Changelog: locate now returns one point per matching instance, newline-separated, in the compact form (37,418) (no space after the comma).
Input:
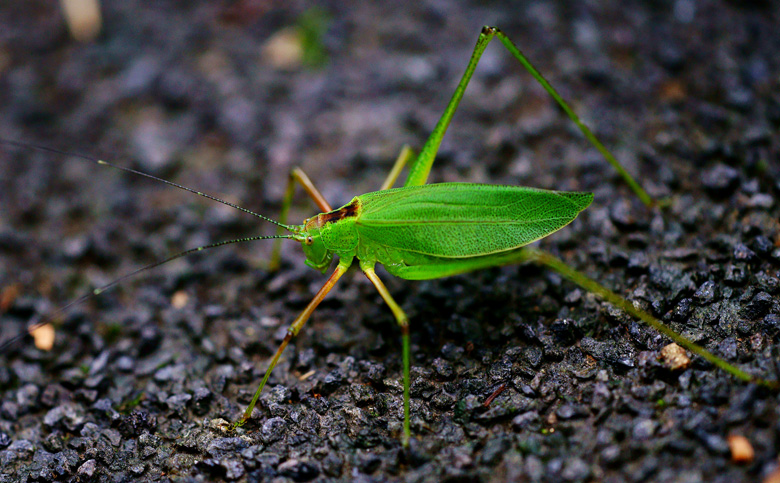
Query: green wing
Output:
(460,220)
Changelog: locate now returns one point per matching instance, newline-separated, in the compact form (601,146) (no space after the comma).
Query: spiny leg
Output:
(404,157)
(540,257)
(296,175)
(295,327)
(548,260)
(418,174)
(403,322)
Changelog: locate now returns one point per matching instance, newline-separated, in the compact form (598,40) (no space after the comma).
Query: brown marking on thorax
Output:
(347,211)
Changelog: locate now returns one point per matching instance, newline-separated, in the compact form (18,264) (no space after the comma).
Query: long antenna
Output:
(115,282)
(83,157)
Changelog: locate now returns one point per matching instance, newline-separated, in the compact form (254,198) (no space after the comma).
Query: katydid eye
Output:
(309,240)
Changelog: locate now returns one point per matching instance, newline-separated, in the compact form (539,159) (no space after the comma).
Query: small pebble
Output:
(674,357)
(741,449)
(720,180)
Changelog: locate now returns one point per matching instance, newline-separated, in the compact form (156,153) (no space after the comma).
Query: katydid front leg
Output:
(296,327)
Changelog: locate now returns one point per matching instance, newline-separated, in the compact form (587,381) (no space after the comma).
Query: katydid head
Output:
(318,256)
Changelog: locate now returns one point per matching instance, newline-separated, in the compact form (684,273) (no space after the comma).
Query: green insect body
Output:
(437,230)
(420,232)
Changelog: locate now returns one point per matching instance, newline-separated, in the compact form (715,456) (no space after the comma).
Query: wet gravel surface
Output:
(516,373)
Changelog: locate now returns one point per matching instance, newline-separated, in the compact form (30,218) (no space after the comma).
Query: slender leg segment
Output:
(296,175)
(540,257)
(543,258)
(404,157)
(403,322)
(418,174)
(296,327)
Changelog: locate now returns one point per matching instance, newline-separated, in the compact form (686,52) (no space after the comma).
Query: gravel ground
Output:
(142,379)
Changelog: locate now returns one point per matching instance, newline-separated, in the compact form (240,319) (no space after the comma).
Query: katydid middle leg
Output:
(403,322)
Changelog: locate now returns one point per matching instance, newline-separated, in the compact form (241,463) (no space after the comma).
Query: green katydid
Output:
(422,231)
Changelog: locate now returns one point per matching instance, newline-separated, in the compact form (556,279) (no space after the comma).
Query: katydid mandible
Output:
(421,231)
